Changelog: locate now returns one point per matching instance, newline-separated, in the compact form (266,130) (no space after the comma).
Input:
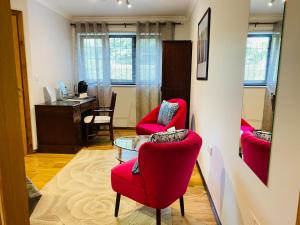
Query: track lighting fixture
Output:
(128,4)
(271,2)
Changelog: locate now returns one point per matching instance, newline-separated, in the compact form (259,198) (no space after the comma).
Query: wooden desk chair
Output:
(96,120)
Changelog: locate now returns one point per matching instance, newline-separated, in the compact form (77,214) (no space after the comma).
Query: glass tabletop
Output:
(131,143)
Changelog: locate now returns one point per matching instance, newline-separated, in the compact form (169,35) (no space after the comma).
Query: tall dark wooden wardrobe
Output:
(176,71)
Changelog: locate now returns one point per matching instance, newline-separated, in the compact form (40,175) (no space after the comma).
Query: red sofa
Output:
(148,125)
(245,126)
(165,171)
(256,154)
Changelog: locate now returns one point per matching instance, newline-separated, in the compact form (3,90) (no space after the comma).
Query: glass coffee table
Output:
(128,147)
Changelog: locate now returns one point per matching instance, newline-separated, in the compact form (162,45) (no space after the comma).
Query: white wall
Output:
(125,112)
(216,107)
(48,51)
(182,32)
(253,105)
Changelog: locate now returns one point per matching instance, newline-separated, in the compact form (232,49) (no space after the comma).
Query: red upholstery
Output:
(148,125)
(149,128)
(256,154)
(165,170)
(245,126)
(132,185)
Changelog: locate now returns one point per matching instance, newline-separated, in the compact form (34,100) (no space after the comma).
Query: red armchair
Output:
(165,171)
(148,125)
(256,154)
(245,126)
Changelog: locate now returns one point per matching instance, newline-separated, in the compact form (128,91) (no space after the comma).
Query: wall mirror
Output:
(260,84)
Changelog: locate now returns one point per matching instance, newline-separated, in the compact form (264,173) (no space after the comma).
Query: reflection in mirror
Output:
(260,84)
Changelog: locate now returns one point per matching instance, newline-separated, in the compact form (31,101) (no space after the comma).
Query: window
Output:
(92,59)
(122,59)
(257,59)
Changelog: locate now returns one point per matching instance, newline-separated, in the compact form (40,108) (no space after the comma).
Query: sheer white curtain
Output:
(272,76)
(149,64)
(92,59)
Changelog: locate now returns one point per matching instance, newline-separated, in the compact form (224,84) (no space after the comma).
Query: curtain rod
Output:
(259,23)
(130,24)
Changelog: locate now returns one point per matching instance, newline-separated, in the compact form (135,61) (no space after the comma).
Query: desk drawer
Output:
(86,106)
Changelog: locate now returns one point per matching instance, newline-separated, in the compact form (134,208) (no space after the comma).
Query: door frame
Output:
(298,213)
(24,75)
(13,193)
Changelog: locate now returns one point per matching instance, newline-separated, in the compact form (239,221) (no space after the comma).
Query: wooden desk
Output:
(60,125)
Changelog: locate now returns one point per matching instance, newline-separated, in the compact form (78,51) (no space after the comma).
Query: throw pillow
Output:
(166,112)
(34,195)
(135,168)
(169,136)
(162,137)
(267,136)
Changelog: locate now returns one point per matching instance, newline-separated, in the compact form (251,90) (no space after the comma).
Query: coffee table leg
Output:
(120,154)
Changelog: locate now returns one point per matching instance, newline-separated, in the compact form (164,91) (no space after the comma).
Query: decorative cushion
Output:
(169,136)
(135,168)
(166,112)
(162,137)
(267,136)
(34,195)
(98,119)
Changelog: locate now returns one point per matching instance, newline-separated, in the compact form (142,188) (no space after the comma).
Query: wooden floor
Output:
(42,167)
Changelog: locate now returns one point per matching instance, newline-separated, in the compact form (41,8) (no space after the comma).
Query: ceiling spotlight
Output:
(284,0)
(271,2)
(119,2)
(128,4)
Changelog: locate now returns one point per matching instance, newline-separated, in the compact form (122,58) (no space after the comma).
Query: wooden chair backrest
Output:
(113,101)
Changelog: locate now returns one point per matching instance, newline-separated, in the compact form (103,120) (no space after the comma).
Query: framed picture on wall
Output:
(203,46)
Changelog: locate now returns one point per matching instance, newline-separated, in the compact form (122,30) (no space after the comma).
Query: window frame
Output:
(264,82)
(133,39)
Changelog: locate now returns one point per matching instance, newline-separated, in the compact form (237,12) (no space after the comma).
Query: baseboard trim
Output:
(209,196)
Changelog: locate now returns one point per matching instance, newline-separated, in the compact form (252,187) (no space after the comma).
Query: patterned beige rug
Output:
(81,194)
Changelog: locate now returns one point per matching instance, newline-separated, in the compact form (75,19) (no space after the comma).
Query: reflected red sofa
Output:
(165,171)
(245,126)
(256,154)
(148,125)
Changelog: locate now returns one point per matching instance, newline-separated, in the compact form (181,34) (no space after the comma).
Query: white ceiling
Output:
(262,7)
(104,8)
(110,8)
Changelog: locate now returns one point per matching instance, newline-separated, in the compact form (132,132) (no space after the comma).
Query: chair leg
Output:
(182,206)
(158,217)
(87,135)
(118,198)
(111,132)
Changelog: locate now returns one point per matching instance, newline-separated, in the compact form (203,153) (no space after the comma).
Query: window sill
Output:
(123,85)
(255,86)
